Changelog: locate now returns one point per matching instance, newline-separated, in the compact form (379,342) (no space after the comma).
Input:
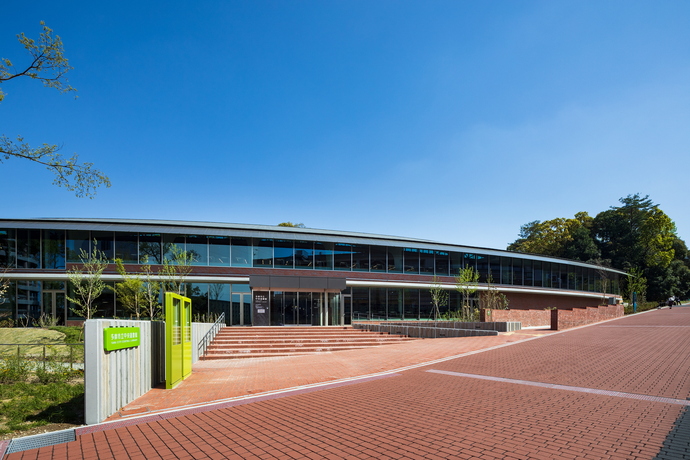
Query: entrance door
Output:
(54,305)
(241,314)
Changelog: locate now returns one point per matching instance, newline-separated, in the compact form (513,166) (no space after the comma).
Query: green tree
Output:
(176,267)
(560,237)
(492,298)
(439,296)
(48,65)
(466,283)
(151,291)
(130,291)
(290,224)
(639,234)
(87,281)
(635,282)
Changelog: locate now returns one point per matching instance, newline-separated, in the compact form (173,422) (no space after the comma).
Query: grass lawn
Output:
(35,395)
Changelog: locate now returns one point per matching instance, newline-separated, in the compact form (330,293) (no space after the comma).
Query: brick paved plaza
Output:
(619,390)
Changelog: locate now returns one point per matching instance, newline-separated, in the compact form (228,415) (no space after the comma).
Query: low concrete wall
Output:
(113,379)
(505,326)
(566,319)
(528,318)
(426,331)
(199,330)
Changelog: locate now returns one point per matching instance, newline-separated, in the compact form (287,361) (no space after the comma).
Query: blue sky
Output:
(455,121)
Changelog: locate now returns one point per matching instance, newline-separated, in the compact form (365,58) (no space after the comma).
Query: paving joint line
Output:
(556,386)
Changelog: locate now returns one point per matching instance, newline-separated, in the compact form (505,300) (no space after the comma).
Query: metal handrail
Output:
(211,334)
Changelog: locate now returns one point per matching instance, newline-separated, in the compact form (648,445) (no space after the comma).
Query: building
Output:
(270,275)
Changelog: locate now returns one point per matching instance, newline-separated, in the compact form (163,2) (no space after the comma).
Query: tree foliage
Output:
(87,281)
(130,291)
(48,65)
(637,235)
(176,267)
(290,224)
(466,283)
(439,296)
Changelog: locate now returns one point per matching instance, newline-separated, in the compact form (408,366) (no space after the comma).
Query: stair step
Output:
(253,342)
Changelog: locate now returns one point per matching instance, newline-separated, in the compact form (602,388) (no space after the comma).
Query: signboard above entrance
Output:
(117,338)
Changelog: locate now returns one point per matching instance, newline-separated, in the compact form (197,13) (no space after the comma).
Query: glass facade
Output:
(52,249)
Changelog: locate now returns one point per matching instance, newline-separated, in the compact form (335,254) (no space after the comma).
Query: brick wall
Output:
(528,318)
(558,320)
(566,319)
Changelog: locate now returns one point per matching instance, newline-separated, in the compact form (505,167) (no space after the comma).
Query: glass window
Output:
(527,274)
(219,251)
(442,263)
(77,241)
(411,303)
(378,258)
(172,243)
(506,270)
(126,247)
(455,263)
(555,276)
(197,247)
(304,254)
(198,293)
(426,261)
(283,254)
(323,255)
(546,274)
(572,278)
(360,304)
(105,303)
(395,304)
(28,248)
(28,299)
(536,266)
(411,256)
(469,260)
(105,242)
(495,269)
(564,281)
(482,267)
(8,247)
(263,252)
(53,249)
(426,308)
(242,252)
(517,272)
(343,256)
(395,260)
(219,299)
(360,257)
(150,248)
(378,303)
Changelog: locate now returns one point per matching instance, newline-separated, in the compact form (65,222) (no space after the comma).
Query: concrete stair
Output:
(261,342)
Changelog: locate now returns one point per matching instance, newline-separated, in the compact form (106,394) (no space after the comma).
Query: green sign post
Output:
(117,338)
(178,339)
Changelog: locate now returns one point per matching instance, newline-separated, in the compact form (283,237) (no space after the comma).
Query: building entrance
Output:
(305,308)
(241,310)
(54,305)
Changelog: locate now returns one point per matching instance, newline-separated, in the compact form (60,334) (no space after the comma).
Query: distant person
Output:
(671,301)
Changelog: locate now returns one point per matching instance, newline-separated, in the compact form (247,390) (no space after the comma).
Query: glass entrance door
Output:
(54,305)
(241,314)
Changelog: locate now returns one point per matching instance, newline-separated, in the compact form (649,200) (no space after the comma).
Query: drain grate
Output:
(41,440)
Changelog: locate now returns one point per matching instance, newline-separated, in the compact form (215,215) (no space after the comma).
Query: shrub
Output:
(14,368)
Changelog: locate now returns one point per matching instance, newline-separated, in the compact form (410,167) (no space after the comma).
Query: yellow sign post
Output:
(178,339)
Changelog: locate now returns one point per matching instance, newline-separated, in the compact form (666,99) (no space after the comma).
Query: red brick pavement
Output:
(419,414)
